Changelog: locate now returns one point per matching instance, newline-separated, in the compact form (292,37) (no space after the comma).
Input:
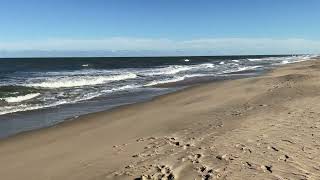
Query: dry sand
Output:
(264,127)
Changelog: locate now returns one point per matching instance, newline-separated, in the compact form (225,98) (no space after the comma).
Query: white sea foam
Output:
(222,62)
(181,78)
(87,96)
(168,70)
(20,98)
(204,65)
(255,59)
(12,109)
(88,77)
(165,81)
(239,69)
(175,69)
(294,59)
(76,81)
(26,107)
(285,62)
(122,88)
(78,72)
(175,79)
(196,75)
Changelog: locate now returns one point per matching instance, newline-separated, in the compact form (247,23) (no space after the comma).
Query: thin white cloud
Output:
(193,46)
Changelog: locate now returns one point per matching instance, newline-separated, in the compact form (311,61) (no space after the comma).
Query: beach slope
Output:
(263,127)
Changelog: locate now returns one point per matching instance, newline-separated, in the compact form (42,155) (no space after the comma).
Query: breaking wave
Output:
(30,90)
(175,69)
(76,81)
(165,81)
(175,79)
(20,98)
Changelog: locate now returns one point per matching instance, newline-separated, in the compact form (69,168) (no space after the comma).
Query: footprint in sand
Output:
(195,158)
(206,172)
(163,172)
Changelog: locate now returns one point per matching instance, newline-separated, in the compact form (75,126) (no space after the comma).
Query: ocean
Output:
(41,92)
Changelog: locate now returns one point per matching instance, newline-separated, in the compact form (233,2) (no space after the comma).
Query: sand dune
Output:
(255,128)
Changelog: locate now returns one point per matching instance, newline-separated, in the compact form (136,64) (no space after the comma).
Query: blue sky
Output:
(163,27)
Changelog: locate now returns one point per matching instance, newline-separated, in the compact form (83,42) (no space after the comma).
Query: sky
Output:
(158,27)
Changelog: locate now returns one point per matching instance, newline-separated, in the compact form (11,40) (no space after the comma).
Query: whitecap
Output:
(204,66)
(88,96)
(174,69)
(165,81)
(294,59)
(20,98)
(239,69)
(255,59)
(122,88)
(26,107)
(76,81)
(175,79)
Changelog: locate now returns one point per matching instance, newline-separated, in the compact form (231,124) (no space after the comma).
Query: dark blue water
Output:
(39,92)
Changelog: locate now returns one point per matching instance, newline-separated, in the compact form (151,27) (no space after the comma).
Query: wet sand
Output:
(263,127)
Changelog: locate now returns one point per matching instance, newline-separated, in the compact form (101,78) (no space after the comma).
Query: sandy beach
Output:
(264,127)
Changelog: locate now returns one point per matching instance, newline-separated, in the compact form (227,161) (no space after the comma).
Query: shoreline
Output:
(117,138)
(52,107)
(176,87)
(69,121)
